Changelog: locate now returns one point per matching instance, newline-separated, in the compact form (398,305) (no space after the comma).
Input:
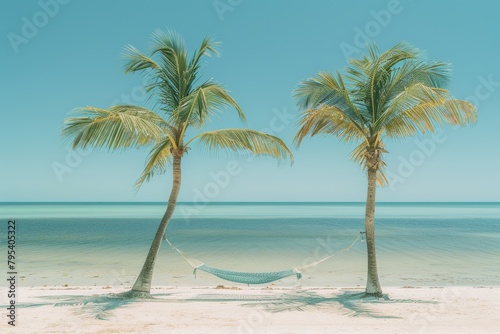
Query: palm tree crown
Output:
(394,94)
(183,102)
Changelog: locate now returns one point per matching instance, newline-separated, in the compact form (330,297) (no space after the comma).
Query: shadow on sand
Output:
(96,306)
(350,303)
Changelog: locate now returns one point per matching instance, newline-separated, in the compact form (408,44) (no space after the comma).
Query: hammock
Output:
(248,278)
(252,277)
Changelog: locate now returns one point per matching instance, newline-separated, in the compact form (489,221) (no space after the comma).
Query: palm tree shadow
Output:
(349,303)
(96,306)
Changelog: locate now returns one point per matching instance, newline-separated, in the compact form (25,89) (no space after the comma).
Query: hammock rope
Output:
(253,277)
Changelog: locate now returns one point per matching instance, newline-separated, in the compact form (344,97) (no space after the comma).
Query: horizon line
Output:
(231,202)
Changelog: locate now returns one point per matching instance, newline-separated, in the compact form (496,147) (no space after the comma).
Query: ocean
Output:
(104,244)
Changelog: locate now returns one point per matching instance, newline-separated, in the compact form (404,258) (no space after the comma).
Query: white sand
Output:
(257,310)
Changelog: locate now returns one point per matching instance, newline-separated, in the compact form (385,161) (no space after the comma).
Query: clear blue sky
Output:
(55,59)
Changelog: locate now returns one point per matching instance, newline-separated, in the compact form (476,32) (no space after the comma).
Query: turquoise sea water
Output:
(429,244)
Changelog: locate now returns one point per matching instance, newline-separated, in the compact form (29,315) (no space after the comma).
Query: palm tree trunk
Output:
(143,283)
(372,284)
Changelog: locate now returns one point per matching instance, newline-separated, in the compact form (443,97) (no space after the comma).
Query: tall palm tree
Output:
(394,95)
(183,103)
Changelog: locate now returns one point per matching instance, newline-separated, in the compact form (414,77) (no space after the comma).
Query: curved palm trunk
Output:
(143,283)
(372,284)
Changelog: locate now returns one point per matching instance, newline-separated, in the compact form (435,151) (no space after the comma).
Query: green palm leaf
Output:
(159,158)
(244,140)
(325,89)
(328,120)
(394,93)
(137,61)
(117,127)
(206,102)
(420,109)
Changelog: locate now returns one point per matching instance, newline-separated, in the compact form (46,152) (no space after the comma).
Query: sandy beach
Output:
(253,166)
(257,310)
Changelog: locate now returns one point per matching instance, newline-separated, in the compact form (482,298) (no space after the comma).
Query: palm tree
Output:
(183,104)
(394,95)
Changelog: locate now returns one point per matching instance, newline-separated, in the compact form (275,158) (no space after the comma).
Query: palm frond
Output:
(159,158)
(432,74)
(207,101)
(117,127)
(421,108)
(371,76)
(169,43)
(137,61)
(327,120)
(207,48)
(172,57)
(244,140)
(173,76)
(325,89)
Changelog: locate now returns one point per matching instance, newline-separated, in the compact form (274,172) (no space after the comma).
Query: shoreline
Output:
(255,309)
